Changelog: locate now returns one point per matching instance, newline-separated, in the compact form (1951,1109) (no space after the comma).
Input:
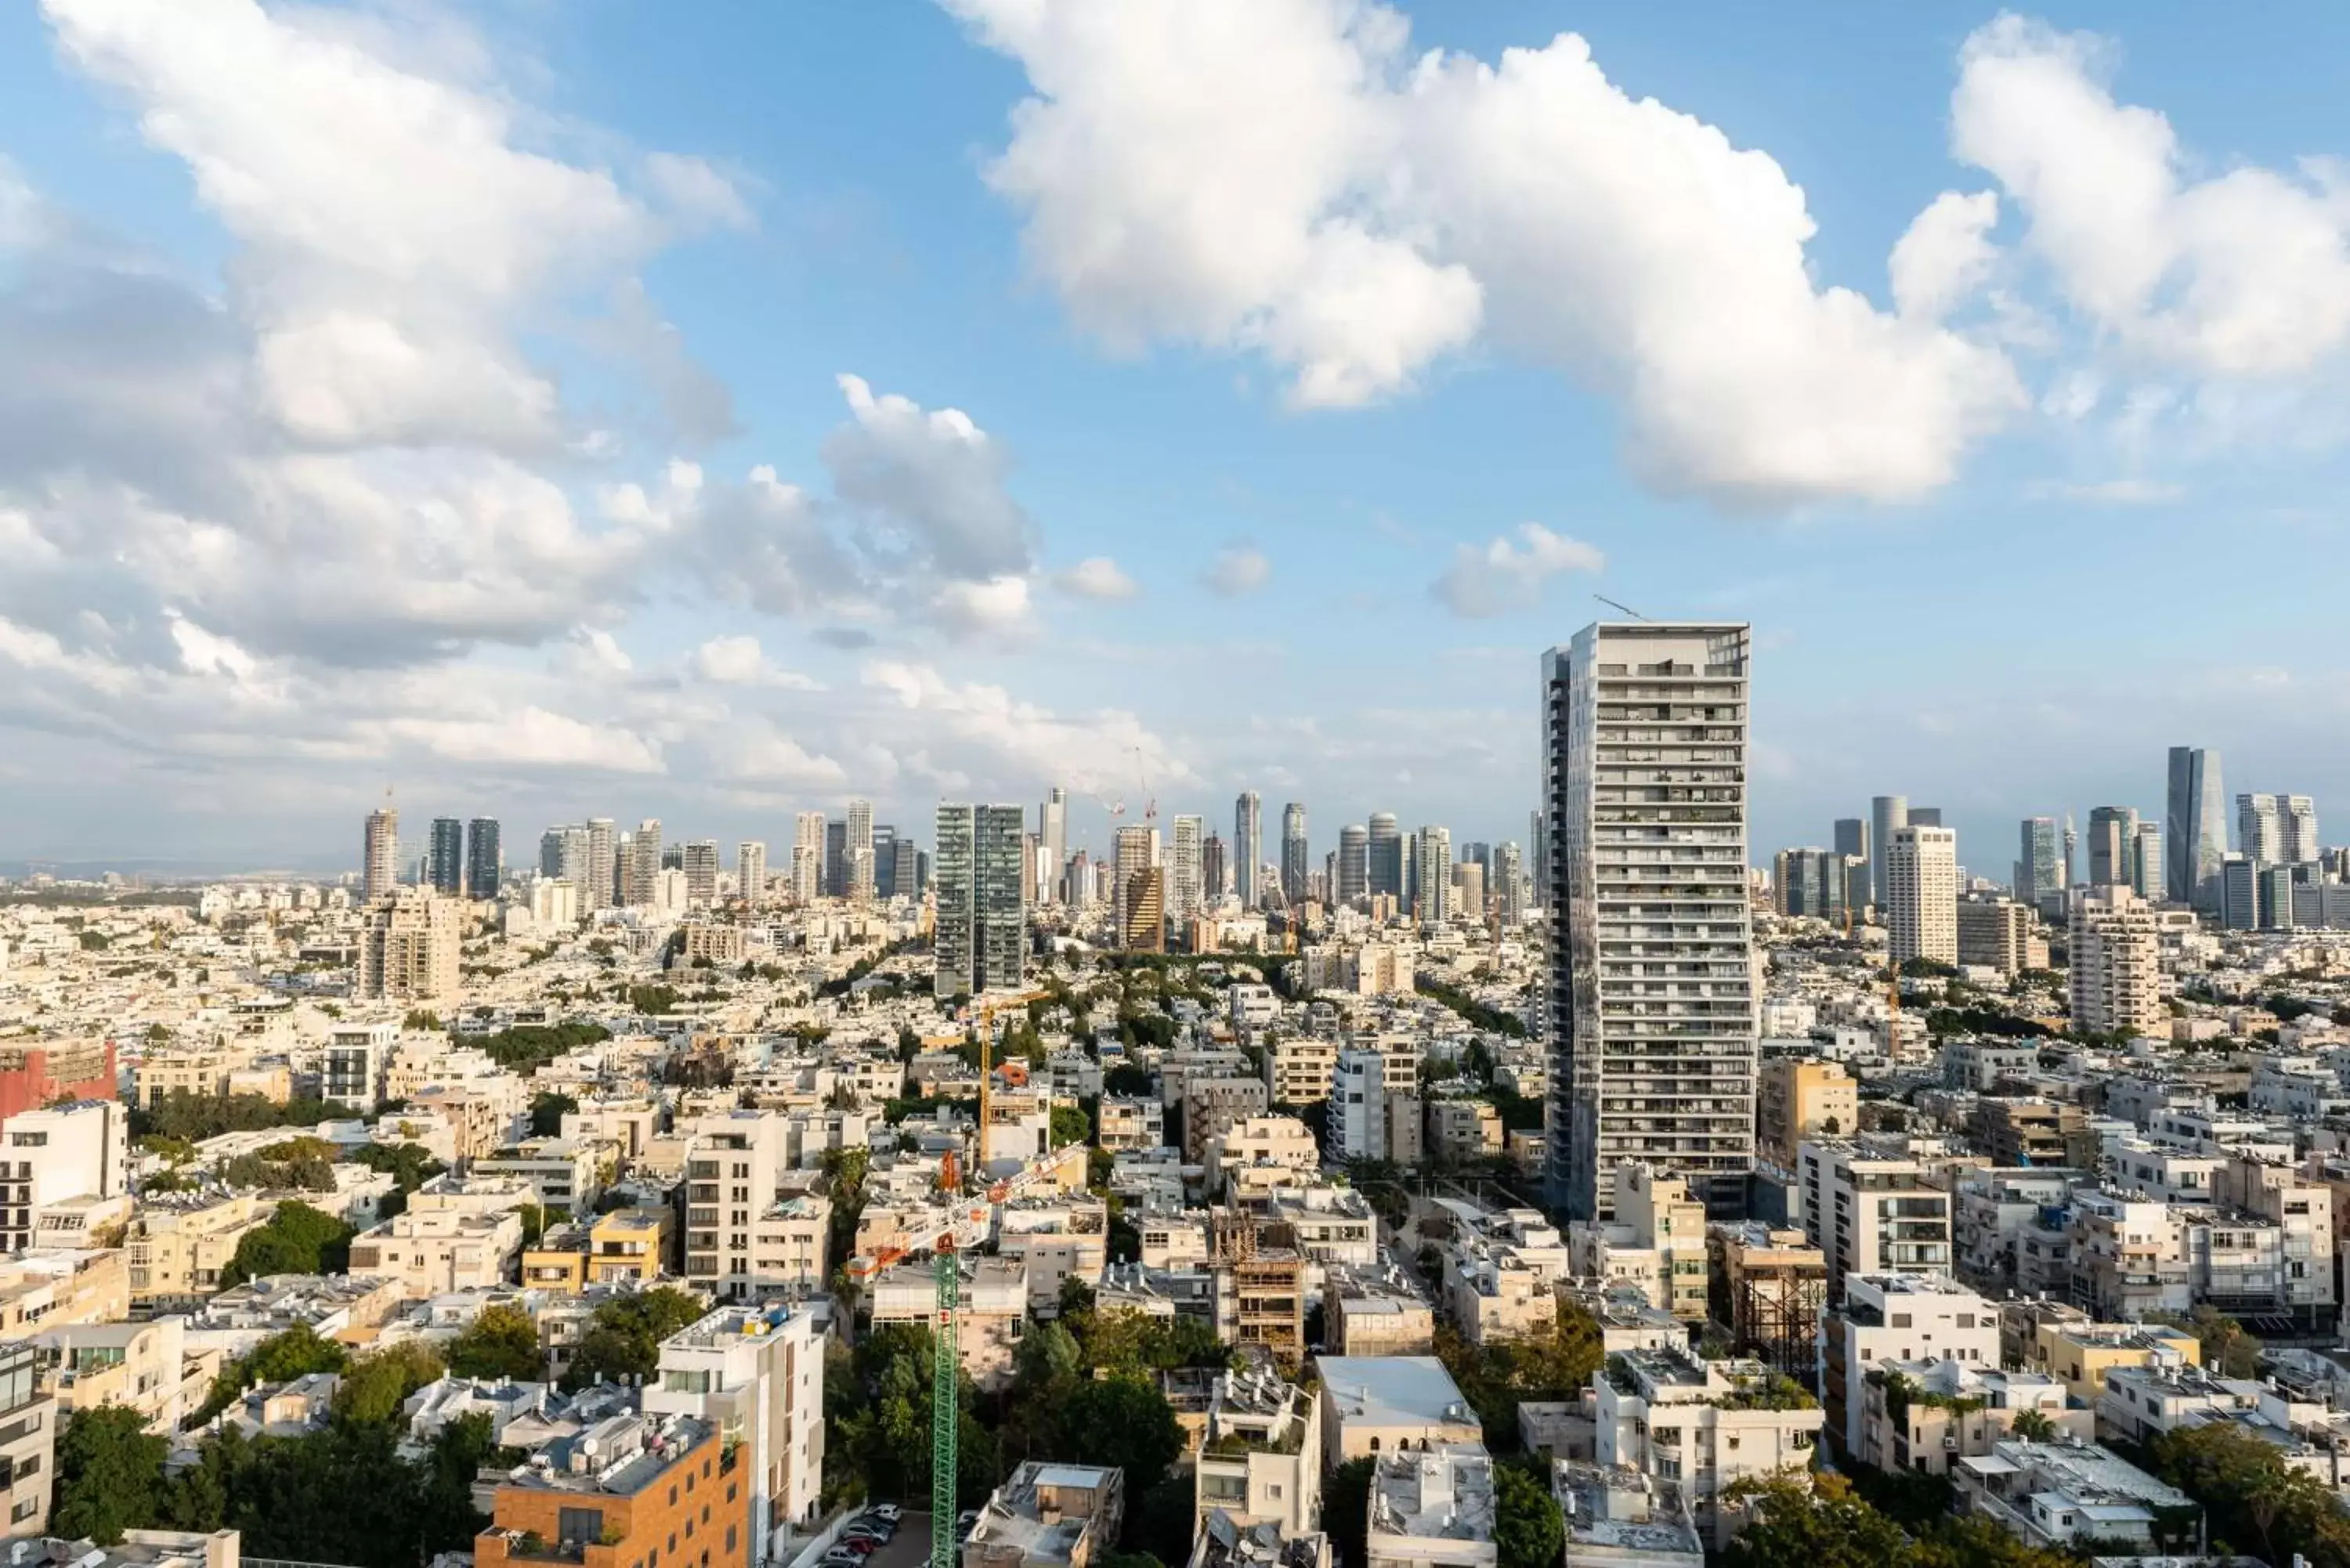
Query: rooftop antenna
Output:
(1611,603)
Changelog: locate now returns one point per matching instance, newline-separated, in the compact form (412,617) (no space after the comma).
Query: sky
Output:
(716,411)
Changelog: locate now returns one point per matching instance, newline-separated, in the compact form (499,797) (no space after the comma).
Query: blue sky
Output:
(359,349)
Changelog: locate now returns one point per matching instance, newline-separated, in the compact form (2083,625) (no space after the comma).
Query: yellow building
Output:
(177,1254)
(201,1073)
(44,1290)
(629,1244)
(2080,1354)
(556,1262)
(1797,1099)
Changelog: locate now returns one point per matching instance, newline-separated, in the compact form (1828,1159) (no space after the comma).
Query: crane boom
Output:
(946,1381)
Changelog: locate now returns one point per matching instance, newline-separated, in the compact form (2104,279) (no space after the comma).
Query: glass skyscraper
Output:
(982,899)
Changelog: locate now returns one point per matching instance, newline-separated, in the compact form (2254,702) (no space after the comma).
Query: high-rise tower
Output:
(1293,853)
(1354,879)
(485,861)
(2195,827)
(1186,874)
(1053,845)
(1248,846)
(981,913)
(1383,863)
(379,855)
(444,858)
(1886,813)
(1644,788)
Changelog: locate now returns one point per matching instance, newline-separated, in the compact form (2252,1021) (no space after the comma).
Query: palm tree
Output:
(2033,1426)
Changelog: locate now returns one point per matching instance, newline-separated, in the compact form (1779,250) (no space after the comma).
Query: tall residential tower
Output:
(1652,1002)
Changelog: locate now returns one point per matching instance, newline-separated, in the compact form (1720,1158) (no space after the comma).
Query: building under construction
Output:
(1770,1286)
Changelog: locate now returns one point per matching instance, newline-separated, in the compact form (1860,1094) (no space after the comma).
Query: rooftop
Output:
(1625,1510)
(1435,1493)
(621,1454)
(1394,1391)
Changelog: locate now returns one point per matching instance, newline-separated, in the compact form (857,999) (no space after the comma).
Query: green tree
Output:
(376,1386)
(296,1352)
(1121,1421)
(110,1475)
(1346,1507)
(1070,1125)
(500,1341)
(1817,1524)
(1528,1531)
(298,1240)
(624,1335)
(547,1111)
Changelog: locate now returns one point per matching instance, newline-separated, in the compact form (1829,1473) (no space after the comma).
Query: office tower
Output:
(2115,978)
(1647,833)
(1431,876)
(1053,834)
(1810,882)
(2064,871)
(444,858)
(2194,828)
(982,915)
(886,848)
(2297,830)
(1215,869)
(2259,834)
(551,846)
(906,880)
(808,856)
(2146,867)
(1186,885)
(1383,865)
(1886,813)
(563,856)
(2273,887)
(485,861)
(2037,875)
(408,948)
(1354,873)
(1921,884)
(644,864)
(835,859)
(858,878)
(379,855)
(698,859)
(2113,839)
(672,856)
(2238,883)
(603,866)
(1509,883)
(1135,848)
(1077,879)
(1294,855)
(1925,816)
(1538,859)
(1852,842)
(1248,847)
(751,871)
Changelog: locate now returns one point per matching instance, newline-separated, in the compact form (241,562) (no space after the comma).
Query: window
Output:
(579,1526)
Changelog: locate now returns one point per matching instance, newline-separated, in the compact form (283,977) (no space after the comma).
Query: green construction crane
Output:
(946,1393)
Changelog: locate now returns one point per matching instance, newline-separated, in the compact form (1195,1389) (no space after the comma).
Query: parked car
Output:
(889,1511)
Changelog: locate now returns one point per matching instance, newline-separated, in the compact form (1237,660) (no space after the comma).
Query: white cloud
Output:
(1944,256)
(931,483)
(1097,578)
(2246,273)
(531,737)
(1276,175)
(740,661)
(1504,575)
(2109,492)
(997,609)
(1238,569)
(999,740)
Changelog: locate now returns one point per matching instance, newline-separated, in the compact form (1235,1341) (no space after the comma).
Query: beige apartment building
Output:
(146,1367)
(429,1251)
(1797,1099)
(409,946)
(177,1254)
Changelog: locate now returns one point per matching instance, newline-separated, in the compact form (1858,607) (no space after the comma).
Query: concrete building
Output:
(1775,1284)
(1621,1517)
(757,1375)
(177,1254)
(50,1158)
(2055,1495)
(2001,934)
(430,1250)
(1798,1098)
(1048,1516)
(1368,1119)
(1384,1403)
(982,907)
(1704,1425)
(1921,875)
(29,1435)
(2115,978)
(1432,1509)
(1869,1214)
(409,944)
(563,1174)
(1644,799)
(735,1165)
(1897,1317)
(147,1366)
(352,1068)
(1260,1453)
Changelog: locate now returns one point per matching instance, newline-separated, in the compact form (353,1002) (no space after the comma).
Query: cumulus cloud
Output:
(995,737)
(533,738)
(740,661)
(1945,255)
(930,483)
(1238,569)
(1280,177)
(2246,273)
(1097,578)
(1508,574)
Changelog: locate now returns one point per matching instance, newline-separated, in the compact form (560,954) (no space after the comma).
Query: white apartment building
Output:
(1368,1118)
(358,1055)
(758,1376)
(1432,1509)
(430,1250)
(1656,1242)
(1703,1426)
(2116,978)
(1652,1005)
(733,1168)
(1897,1317)
(408,945)
(1871,1214)
(1921,872)
(52,1156)
(1132,1122)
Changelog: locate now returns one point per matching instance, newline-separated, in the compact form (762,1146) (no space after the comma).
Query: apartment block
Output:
(1870,1214)
(616,1500)
(1799,1099)
(757,1375)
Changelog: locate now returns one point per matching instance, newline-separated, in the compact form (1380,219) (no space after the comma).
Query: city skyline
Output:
(724,484)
